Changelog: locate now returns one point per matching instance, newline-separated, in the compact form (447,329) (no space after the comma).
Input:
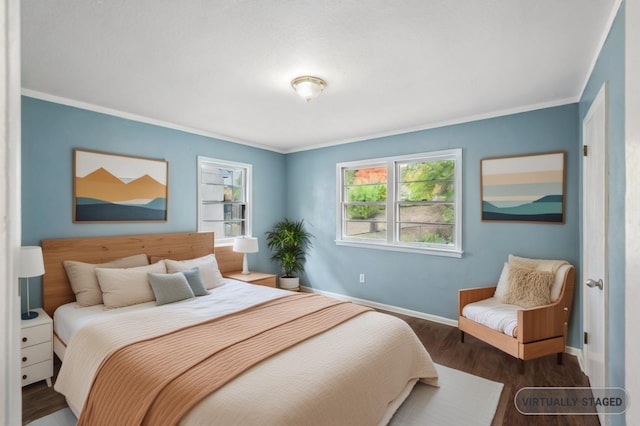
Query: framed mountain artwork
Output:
(526,188)
(118,188)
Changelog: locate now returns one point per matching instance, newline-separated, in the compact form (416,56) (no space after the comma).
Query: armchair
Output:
(522,332)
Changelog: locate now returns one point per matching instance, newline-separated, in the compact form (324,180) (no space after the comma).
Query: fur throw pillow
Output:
(529,287)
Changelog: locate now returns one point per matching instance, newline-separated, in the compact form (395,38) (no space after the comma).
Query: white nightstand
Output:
(37,348)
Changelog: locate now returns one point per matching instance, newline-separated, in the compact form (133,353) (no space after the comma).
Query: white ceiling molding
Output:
(600,45)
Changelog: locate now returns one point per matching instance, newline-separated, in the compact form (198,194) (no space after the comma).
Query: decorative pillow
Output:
(169,288)
(84,281)
(209,272)
(127,286)
(528,287)
(195,281)
(558,283)
(556,267)
(547,265)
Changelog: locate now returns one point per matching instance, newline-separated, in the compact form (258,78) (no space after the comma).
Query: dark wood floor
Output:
(443,343)
(477,358)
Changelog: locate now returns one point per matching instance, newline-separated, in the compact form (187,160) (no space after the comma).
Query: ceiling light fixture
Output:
(308,87)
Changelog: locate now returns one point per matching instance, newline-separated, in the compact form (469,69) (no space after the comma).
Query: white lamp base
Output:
(245,264)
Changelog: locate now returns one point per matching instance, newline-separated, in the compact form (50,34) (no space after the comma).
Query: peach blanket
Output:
(157,381)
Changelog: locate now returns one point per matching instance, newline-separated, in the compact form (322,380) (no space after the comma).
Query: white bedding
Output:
(357,373)
(490,312)
(233,296)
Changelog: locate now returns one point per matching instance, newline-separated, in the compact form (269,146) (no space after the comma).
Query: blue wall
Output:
(610,68)
(418,282)
(305,182)
(427,283)
(51,131)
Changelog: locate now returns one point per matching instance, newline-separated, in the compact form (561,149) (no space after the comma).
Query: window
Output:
(408,203)
(224,198)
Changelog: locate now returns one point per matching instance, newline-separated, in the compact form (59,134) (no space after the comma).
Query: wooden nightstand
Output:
(253,277)
(37,348)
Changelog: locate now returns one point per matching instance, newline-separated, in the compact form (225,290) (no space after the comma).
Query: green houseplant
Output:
(289,241)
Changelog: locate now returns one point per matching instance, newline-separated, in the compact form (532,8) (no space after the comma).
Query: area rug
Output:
(461,399)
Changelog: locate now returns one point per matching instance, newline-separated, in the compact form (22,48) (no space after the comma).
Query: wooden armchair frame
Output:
(541,330)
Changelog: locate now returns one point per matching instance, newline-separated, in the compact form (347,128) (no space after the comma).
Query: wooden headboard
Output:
(56,289)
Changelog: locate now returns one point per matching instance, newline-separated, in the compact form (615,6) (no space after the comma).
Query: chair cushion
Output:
(494,314)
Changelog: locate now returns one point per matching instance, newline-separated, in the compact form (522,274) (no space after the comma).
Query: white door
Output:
(594,232)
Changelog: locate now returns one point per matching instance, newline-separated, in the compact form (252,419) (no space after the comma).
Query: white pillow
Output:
(503,284)
(83,279)
(209,272)
(127,286)
(556,287)
(546,265)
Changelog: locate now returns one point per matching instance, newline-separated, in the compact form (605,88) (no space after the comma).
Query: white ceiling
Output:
(223,67)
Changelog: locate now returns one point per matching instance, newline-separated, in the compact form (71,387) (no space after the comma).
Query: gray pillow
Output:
(195,281)
(169,288)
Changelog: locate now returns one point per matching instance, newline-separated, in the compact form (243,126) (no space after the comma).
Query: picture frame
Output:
(119,188)
(525,188)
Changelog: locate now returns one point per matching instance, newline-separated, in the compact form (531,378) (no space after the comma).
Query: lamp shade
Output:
(31,262)
(245,244)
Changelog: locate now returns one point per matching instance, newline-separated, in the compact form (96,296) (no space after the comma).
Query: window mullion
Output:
(391,202)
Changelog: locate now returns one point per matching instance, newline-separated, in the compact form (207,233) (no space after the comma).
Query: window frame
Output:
(248,190)
(392,241)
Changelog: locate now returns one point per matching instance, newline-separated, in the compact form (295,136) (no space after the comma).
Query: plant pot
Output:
(289,283)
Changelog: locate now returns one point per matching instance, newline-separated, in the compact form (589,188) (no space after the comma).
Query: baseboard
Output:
(417,314)
(384,307)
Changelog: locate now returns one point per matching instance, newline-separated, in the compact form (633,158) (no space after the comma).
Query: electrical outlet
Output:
(362,277)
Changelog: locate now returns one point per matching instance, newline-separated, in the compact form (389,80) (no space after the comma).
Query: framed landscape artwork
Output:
(527,188)
(118,188)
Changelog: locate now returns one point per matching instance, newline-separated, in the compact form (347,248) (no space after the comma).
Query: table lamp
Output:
(244,244)
(31,265)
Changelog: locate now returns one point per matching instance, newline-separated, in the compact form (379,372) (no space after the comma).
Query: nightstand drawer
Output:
(35,354)
(36,334)
(36,372)
(269,282)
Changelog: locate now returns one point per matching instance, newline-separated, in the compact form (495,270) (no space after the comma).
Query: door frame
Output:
(601,97)
(10,127)
(632,205)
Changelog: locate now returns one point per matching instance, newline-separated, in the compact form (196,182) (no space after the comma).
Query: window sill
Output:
(408,249)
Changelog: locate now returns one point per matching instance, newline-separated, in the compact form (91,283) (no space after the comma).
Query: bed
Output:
(305,359)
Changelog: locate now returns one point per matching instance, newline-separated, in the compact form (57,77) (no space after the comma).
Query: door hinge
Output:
(585,150)
(586,338)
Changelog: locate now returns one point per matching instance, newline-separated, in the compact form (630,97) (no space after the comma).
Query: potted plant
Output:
(289,241)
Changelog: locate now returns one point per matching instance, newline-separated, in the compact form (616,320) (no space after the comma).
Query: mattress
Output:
(493,314)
